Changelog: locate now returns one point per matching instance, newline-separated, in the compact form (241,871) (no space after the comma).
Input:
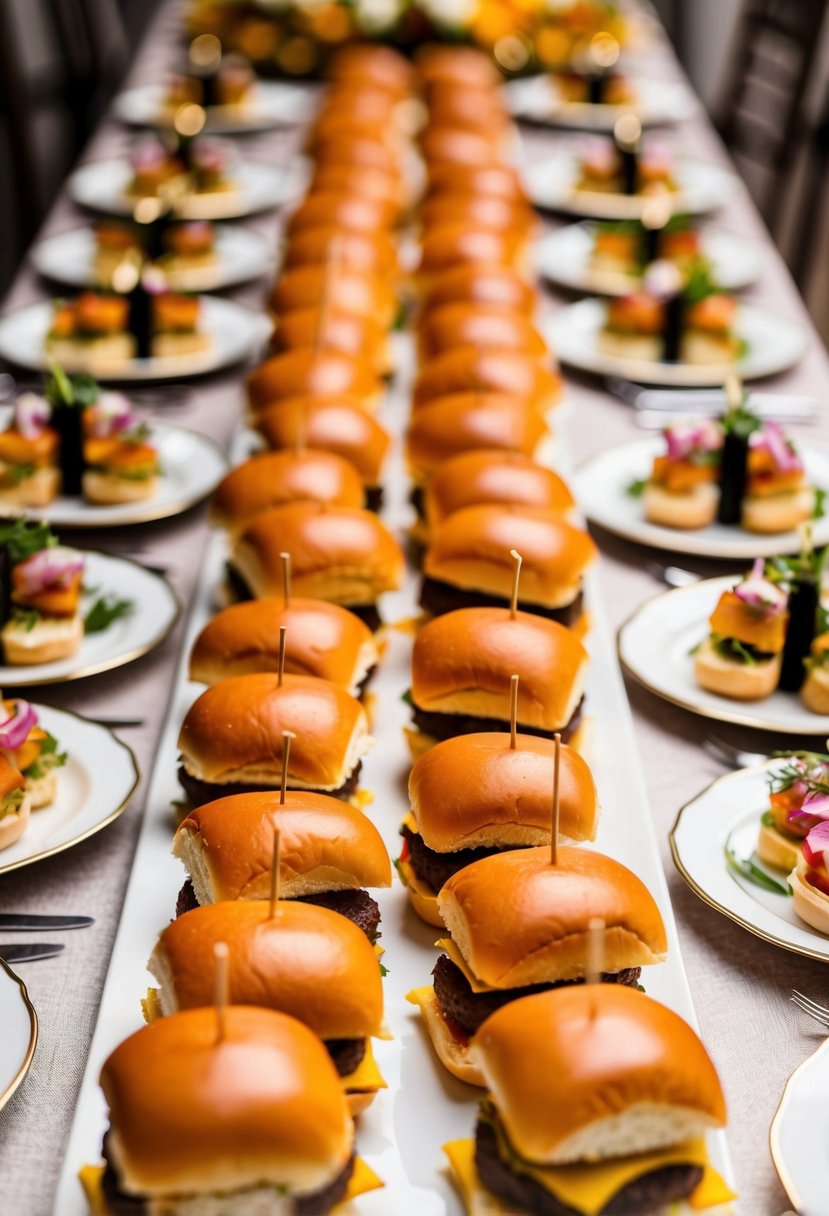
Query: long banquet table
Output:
(740,984)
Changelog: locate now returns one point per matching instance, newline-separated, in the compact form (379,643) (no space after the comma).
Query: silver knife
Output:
(29,952)
(13,922)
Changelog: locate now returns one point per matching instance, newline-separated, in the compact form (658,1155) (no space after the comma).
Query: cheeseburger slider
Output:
(299,959)
(475,326)
(490,211)
(485,181)
(488,370)
(273,479)
(329,853)
(481,476)
(342,212)
(520,924)
(321,639)
(231,740)
(497,422)
(311,373)
(373,65)
(468,562)
(453,822)
(599,1102)
(246,1114)
(340,554)
(462,66)
(351,291)
(462,664)
(484,286)
(386,187)
(461,243)
(346,333)
(364,252)
(461,147)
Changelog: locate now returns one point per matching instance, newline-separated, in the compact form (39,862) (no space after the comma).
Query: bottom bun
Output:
(52,638)
(38,490)
(809,903)
(423,900)
(175,345)
(815,690)
(777,850)
(450,1050)
(702,347)
(359,1102)
(778,512)
(110,488)
(737,681)
(644,348)
(14,825)
(42,790)
(696,508)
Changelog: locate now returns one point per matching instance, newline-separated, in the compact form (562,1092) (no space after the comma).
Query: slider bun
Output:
(307,961)
(453,244)
(594,1072)
(488,371)
(471,550)
(367,104)
(366,253)
(461,422)
(737,681)
(339,424)
(272,479)
(233,732)
(193,1116)
(373,184)
(13,826)
(472,106)
(311,373)
(321,639)
(493,477)
(437,64)
(325,845)
(695,508)
(496,286)
(346,333)
(340,210)
(488,211)
(778,512)
(347,291)
(484,181)
(537,930)
(341,554)
(379,67)
(811,905)
(477,325)
(462,663)
(452,1052)
(333,124)
(509,802)
(461,147)
(356,148)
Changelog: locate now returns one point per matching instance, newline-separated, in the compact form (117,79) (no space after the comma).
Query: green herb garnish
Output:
(79,390)
(48,759)
(22,539)
(752,873)
(635,489)
(105,610)
(819,509)
(407,697)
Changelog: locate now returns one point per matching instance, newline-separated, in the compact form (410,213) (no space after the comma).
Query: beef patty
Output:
(470,1009)
(199,792)
(357,905)
(650,1193)
(447,726)
(240,591)
(438,597)
(347,1054)
(434,869)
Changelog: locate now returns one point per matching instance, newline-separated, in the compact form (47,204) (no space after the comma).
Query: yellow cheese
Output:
(362,798)
(410,879)
(151,1006)
(366,1075)
(418,743)
(409,625)
(449,948)
(410,822)
(363,1179)
(589,1188)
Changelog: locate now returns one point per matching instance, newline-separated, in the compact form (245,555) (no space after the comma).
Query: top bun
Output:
(484,181)
(377,184)
(346,333)
(325,845)
(487,210)
(341,212)
(272,479)
(462,663)
(496,286)
(311,373)
(487,371)
(363,252)
(347,291)
(463,421)
(310,962)
(463,65)
(378,66)
(462,243)
(483,476)
(461,147)
(336,424)
(509,802)
(478,325)
(194,1115)
(596,1072)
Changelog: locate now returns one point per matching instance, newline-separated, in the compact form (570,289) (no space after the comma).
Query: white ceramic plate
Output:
(19,1037)
(241,255)
(602,491)
(94,786)
(656,644)
(237,333)
(563,258)
(658,102)
(273,104)
(727,813)
(774,344)
(101,186)
(155,613)
(550,182)
(800,1133)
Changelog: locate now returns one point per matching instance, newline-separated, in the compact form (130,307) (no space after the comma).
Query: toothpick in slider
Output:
(516,578)
(556,815)
(287,736)
(285,559)
(513,711)
(595,950)
(280,669)
(733,389)
(221,955)
(277,849)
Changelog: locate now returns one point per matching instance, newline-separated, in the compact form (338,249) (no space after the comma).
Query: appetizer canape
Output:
(42,618)
(627,247)
(330,852)
(533,934)
(809,880)
(599,1101)
(121,463)
(743,655)
(15,804)
(227,81)
(802,783)
(155,170)
(107,331)
(683,488)
(31,750)
(608,168)
(29,455)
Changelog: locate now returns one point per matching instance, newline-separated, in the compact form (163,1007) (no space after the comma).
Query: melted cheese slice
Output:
(589,1188)
(366,1075)
(151,1006)
(451,950)
(418,743)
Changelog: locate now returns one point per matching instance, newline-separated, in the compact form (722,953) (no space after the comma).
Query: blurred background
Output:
(761,67)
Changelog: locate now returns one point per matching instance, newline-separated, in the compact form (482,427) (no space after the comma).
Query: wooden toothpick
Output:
(513,712)
(285,559)
(287,736)
(280,669)
(733,389)
(516,578)
(221,955)
(595,950)
(277,848)
(556,811)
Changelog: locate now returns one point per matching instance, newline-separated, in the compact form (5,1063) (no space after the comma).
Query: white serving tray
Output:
(401,1135)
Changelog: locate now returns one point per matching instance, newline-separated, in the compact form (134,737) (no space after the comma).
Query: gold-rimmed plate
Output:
(656,647)
(150,620)
(19,1038)
(279,103)
(537,99)
(724,817)
(799,1134)
(94,787)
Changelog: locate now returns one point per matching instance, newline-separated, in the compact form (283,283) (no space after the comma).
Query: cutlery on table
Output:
(117,723)
(30,951)
(14,922)
(730,756)
(785,407)
(672,576)
(819,1012)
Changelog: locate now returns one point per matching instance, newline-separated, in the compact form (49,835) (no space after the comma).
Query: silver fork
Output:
(819,1012)
(672,576)
(730,756)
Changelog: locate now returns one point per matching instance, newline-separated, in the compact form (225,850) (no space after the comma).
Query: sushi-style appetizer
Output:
(742,657)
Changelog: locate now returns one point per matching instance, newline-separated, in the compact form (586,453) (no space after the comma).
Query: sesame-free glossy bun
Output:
(272,479)
(374,65)
(339,211)
(537,930)
(347,291)
(461,147)
(598,1071)
(488,371)
(496,286)
(473,107)
(325,845)
(337,424)
(321,639)
(462,663)
(471,550)
(345,333)
(486,476)
(341,554)
(478,325)
(485,181)
(462,243)
(193,1115)
(310,373)
(488,211)
(436,63)
(365,253)
(385,187)
(233,732)
(509,802)
(307,961)
(461,422)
